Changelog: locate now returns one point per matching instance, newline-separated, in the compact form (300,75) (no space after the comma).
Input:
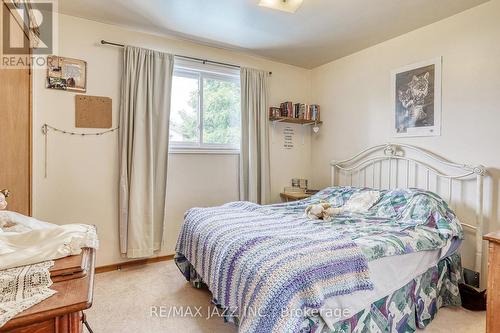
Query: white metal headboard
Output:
(400,165)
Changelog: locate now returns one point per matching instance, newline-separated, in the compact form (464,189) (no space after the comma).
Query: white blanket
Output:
(25,240)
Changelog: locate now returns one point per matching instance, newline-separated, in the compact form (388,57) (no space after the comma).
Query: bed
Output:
(388,268)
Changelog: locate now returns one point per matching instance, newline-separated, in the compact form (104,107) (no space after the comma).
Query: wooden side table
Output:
(493,293)
(287,197)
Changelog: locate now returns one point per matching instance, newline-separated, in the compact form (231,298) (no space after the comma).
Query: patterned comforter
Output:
(268,265)
(402,221)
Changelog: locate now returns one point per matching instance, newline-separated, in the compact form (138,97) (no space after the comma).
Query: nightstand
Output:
(493,296)
(287,197)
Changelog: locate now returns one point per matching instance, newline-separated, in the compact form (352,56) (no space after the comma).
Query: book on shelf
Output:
(296,110)
(286,109)
(302,112)
(315,112)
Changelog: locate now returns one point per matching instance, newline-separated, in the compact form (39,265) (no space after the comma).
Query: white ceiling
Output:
(319,32)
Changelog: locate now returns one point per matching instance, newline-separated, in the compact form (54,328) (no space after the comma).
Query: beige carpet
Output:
(123,302)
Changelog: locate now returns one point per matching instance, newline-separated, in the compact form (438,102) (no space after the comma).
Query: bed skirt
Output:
(413,306)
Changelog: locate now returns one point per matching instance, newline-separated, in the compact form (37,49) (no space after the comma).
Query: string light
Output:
(47,127)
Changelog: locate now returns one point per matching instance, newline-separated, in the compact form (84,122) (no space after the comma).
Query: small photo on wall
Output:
(66,74)
(416,96)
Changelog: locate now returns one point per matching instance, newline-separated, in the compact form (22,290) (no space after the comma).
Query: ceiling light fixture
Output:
(289,6)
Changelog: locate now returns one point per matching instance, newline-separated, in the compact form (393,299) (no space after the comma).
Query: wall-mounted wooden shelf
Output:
(294,120)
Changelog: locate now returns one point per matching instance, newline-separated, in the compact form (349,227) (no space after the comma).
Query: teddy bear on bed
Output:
(322,211)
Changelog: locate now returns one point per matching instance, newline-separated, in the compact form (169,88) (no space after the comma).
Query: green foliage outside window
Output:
(221,114)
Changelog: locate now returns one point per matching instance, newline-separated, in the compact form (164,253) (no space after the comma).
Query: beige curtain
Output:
(144,133)
(255,181)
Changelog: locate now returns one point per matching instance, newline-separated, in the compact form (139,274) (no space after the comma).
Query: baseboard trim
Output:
(132,263)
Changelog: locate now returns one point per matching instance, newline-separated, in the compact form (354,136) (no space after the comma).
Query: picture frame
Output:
(274,112)
(66,74)
(416,99)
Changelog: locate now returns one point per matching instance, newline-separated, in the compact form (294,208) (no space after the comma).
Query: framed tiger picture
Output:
(416,98)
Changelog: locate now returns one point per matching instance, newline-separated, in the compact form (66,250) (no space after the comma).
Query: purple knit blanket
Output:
(267,268)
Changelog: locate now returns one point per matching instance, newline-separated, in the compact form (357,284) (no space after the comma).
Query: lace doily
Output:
(23,287)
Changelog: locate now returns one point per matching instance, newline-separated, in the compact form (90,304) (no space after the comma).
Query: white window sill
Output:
(214,151)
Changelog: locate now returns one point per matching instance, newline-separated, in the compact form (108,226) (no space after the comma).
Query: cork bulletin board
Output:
(93,112)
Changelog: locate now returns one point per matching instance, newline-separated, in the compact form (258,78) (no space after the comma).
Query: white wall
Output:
(354,94)
(82,172)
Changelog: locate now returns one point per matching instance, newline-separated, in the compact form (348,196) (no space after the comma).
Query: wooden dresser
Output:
(73,279)
(493,303)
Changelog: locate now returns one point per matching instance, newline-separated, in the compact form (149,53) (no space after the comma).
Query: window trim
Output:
(193,70)
(187,151)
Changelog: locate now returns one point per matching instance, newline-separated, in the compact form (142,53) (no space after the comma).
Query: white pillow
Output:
(362,201)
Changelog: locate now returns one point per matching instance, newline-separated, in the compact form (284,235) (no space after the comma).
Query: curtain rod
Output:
(104,42)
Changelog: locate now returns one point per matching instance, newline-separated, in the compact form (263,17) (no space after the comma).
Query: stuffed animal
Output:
(3,201)
(359,202)
(322,211)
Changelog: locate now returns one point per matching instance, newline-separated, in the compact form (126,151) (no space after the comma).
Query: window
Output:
(206,107)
